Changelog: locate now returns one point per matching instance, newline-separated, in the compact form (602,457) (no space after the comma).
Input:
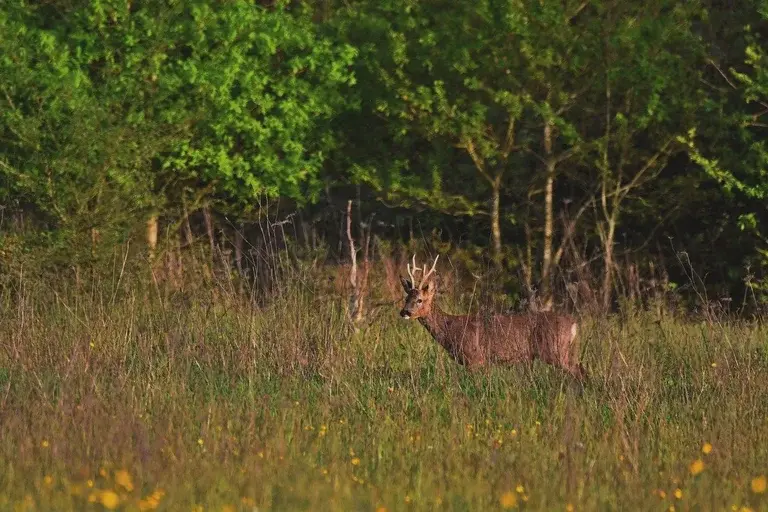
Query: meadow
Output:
(132,399)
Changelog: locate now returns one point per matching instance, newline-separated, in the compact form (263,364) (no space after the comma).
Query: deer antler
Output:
(426,276)
(411,267)
(412,270)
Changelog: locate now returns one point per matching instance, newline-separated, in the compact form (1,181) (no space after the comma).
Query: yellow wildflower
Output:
(28,503)
(124,480)
(48,480)
(706,449)
(148,503)
(109,499)
(520,489)
(679,493)
(508,500)
(229,508)
(569,507)
(381,509)
(152,501)
(759,484)
(355,461)
(696,467)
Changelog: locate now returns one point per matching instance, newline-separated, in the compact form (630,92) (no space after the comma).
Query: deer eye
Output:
(419,301)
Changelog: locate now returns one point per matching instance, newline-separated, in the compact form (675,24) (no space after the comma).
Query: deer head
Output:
(418,302)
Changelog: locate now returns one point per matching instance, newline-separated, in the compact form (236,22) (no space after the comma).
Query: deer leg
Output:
(578,372)
(574,369)
(567,362)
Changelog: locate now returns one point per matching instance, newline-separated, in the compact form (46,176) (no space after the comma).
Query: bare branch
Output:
(663,152)
(570,229)
(509,139)
(578,10)
(478,161)
(722,73)
(352,250)
(565,155)
(536,155)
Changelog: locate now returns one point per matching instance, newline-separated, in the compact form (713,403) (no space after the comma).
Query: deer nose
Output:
(405,314)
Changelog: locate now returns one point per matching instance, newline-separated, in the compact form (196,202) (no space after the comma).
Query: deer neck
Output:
(435,323)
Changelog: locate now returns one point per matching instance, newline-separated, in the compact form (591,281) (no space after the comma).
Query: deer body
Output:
(478,340)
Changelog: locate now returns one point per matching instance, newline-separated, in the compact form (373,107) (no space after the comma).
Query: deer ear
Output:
(407,285)
(429,286)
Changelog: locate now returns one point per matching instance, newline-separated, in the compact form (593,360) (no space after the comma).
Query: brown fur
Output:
(478,340)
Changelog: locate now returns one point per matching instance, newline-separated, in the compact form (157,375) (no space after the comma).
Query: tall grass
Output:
(211,401)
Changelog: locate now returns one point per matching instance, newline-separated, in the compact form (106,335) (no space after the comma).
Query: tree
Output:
(146,101)
(736,153)
(648,93)
(268,83)
(470,86)
(509,99)
(64,155)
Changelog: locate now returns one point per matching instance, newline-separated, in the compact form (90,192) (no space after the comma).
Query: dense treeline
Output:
(604,142)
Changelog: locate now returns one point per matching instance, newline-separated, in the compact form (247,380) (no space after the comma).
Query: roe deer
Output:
(476,340)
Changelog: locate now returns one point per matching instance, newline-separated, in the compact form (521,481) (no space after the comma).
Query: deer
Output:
(476,340)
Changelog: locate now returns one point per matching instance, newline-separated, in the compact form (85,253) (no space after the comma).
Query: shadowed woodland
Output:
(578,152)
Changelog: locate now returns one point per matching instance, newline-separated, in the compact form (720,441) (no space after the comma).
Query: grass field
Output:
(206,403)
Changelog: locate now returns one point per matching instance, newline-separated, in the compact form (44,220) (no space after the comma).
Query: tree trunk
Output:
(356,312)
(495,221)
(174,265)
(528,265)
(607,286)
(209,230)
(151,237)
(546,265)
(95,237)
(239,243)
